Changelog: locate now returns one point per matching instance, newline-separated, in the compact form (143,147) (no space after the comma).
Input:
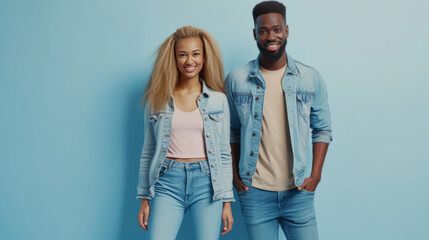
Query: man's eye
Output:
(262,32)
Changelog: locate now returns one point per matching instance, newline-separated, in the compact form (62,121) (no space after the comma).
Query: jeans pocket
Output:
(164,170)
(306,191)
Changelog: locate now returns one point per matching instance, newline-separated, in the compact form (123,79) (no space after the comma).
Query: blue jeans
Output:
(184,187)
(293,210)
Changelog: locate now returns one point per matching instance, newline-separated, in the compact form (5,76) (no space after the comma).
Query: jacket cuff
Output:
(228,197)
(143,193)
(325,137)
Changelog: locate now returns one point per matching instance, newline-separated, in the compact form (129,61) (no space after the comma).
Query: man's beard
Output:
(270,56)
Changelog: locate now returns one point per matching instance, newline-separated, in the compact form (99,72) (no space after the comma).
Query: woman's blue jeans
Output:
(184,187)
(293,210)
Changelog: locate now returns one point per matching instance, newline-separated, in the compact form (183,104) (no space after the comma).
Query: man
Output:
(274,101)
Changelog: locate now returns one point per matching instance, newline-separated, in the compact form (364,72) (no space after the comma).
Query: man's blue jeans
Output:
(184,187)
(293,210)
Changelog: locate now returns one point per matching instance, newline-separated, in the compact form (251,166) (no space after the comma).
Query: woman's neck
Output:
(189,85)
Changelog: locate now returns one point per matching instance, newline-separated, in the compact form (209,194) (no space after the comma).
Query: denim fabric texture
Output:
(307,107)
(214,109)
(292,210)
(184,187)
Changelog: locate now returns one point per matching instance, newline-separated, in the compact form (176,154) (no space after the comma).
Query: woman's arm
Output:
(225,152)
(227,218)
(143,188)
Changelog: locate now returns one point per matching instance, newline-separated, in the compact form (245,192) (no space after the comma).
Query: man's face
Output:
(271,34)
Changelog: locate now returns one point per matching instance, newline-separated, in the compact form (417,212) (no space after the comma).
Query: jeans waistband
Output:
(186,165)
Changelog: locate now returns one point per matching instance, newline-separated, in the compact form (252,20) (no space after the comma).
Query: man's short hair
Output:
(269,7)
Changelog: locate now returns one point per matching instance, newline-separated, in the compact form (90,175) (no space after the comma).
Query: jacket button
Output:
(257,98)
(251,153)
(258,87)
(159,165)
(214,179)
(213,165)
(253,134)
(208,134)
(211,150)
(248,173)
(199,99)
(204,109)
(205,119)
(256,115)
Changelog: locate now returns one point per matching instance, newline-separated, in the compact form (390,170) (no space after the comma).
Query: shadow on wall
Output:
(134,135)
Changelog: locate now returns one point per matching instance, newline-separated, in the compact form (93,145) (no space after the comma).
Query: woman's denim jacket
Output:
(214,109)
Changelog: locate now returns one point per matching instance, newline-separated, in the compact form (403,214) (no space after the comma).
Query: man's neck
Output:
(273,65)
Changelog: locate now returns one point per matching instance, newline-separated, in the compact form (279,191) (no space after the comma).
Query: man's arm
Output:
(320,122)
(238,183)
(235,136)
(319,152)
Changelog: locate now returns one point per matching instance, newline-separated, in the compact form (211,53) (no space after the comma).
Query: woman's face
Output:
(189,57)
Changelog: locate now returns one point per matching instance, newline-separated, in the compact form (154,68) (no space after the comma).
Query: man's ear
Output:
(287,31)
(254,34)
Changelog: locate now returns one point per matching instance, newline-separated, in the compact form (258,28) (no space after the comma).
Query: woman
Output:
(186,161)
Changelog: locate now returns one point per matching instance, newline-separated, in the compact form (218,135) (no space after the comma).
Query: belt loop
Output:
(201,165)
(170,164)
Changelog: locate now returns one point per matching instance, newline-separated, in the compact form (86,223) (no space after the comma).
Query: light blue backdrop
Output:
(72,74)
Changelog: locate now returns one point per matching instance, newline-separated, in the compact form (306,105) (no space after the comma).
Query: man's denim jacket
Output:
(306,104)
(214,109)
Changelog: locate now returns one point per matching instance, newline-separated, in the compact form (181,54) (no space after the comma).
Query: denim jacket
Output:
(214,109)
(306,104)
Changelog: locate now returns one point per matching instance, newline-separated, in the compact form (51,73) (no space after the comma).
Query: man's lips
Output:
(272,46)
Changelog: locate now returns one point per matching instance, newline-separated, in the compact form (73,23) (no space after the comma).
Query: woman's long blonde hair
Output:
(165,73)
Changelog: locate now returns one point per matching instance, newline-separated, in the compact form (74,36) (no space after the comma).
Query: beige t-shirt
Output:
(275,160)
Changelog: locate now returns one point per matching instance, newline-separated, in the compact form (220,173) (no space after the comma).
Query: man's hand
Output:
(310,184)
(238,184)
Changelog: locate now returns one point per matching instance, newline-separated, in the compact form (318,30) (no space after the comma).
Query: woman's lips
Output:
(190,69)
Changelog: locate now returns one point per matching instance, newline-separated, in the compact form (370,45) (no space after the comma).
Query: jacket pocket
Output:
(216,121)
(303,103)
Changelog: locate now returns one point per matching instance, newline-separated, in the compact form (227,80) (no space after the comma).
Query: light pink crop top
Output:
(187,135)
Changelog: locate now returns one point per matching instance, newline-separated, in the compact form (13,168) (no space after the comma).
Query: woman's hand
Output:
(227,218)
(143,215)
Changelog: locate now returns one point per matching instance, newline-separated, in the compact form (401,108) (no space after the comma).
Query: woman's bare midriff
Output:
(187,159)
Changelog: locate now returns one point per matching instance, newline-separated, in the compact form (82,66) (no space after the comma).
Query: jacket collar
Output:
(206,91)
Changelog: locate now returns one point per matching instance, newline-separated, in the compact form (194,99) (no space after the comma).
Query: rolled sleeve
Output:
(320,116)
